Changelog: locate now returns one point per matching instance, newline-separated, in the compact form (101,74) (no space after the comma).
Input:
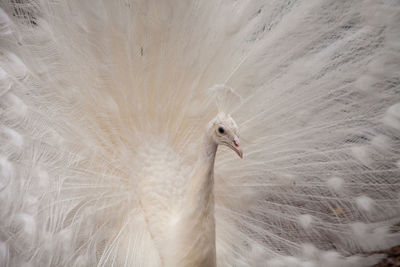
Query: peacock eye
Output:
(221,130)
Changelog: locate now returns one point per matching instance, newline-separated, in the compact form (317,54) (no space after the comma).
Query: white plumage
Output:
(110,114)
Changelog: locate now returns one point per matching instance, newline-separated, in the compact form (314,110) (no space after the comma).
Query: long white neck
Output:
(200,188)
(195,232)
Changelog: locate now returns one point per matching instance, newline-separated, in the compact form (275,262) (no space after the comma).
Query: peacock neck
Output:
(201,183)
(208,152)
(197,228)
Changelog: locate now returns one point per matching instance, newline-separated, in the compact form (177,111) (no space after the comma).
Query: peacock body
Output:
(110,114)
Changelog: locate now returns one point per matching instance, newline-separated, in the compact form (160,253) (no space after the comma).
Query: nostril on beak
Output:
(236,142)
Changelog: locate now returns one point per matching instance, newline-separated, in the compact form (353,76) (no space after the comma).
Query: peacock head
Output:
(224,131)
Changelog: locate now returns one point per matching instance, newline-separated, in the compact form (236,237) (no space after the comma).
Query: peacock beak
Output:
(239,151)
(236,147)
